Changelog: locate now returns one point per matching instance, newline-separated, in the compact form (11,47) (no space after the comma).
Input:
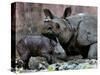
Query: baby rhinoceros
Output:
(39,46)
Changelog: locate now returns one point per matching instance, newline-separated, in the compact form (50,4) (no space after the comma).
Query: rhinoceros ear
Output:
(67,12)
(48,13)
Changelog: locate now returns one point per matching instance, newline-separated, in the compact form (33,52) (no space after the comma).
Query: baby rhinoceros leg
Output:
(92,54)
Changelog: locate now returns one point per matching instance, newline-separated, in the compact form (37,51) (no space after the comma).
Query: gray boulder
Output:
(37,63)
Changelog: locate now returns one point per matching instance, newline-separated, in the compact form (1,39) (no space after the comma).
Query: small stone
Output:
(41,67)
(71,66)
(51,68)
(61,68)
(93,61)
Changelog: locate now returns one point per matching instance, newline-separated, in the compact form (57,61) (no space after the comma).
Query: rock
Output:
(57,66)
(84,66)
(93,61)
(19,63)
(88,64)
(61,68)
(18,66)
(37,63)
(51,68)
(40,64)
(74,65)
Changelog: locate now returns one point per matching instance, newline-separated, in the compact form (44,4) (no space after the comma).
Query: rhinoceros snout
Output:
(61,55)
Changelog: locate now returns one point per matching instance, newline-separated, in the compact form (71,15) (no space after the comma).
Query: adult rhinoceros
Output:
(76,33)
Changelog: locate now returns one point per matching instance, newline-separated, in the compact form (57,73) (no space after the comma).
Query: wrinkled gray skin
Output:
(78,31)
(39,46)
(59,52)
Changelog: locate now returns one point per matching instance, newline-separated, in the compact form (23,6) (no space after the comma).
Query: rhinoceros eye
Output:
(57,26)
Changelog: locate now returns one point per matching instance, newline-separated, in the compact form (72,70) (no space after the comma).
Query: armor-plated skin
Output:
(77,33)
(39,46)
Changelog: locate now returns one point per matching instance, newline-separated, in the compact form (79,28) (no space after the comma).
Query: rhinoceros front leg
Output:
(92,54)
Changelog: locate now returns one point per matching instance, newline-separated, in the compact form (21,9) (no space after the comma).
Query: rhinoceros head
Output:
(57,26)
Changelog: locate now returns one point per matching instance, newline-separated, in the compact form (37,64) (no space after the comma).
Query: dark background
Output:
(28,17)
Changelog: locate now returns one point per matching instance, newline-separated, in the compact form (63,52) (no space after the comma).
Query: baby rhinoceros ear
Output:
(67,12)
(48,13)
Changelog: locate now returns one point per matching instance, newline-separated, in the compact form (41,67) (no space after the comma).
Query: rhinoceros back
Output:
(87,32)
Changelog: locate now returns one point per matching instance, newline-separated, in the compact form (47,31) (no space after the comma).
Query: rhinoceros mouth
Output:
(53,35)
(50,34)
